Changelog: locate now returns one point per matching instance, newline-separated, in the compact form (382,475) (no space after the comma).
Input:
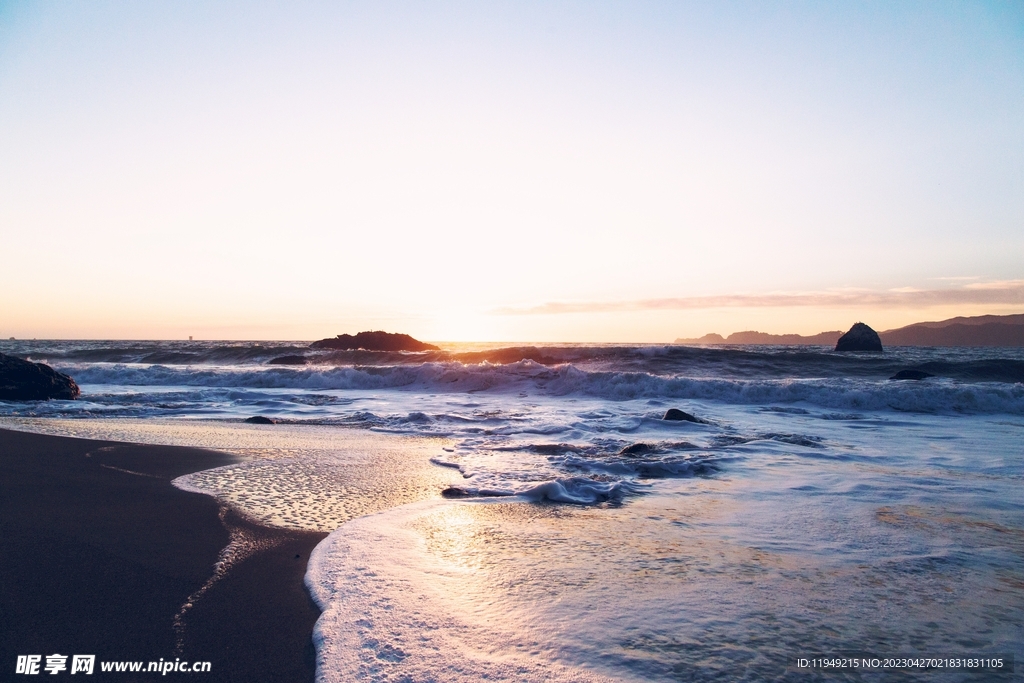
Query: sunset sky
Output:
(592,171)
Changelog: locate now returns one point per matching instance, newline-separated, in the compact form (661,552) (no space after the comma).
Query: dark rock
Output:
(637,449)
(259,420)
(455,492)
(22,380)
(912,374)
(677,415)
(288,360)
(373,341)
(859,338)
(553,448)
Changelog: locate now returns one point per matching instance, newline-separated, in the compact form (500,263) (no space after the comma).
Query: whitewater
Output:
(538,519)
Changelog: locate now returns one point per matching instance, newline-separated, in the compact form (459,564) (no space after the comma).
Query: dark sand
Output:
(98,552)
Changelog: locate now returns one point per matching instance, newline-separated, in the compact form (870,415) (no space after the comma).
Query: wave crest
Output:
(945,396)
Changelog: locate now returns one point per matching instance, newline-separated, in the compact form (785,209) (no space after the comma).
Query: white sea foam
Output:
(577,490)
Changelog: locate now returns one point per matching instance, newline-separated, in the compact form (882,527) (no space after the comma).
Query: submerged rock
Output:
(288,360)
(859,338)
(912,374)
(553,448)
(22,380)
(637,449)
(677,415)
(259,420)
(373,341)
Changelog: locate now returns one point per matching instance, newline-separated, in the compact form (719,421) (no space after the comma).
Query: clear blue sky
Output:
(535,171)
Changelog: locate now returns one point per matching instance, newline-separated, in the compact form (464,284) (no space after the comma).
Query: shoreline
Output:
(100,553)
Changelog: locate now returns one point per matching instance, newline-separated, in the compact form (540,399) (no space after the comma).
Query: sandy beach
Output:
(100,553)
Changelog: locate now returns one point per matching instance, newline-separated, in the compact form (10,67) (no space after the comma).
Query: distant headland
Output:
(983,330)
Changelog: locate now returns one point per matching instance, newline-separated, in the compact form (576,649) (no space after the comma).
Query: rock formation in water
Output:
(676,415)
(637,449)
(859,338)
(259,420)
(373,341)
(22,380)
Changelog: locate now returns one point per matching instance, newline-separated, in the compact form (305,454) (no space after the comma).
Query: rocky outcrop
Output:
(676,415)
(373,341)
(259,420)
(22,380)
(859,338)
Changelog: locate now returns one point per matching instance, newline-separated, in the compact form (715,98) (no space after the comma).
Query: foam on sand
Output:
(401,602)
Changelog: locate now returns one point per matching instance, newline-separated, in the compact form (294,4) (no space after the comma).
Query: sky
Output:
(522,171)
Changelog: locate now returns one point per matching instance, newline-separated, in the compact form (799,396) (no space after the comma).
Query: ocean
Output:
(532,516)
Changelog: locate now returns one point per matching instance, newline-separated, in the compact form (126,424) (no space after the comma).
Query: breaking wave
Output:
(934,395)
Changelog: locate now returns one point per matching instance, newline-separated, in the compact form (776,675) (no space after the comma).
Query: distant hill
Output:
(982,330)
(751,337)
(976,320)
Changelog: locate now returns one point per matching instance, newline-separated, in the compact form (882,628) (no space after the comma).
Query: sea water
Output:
(537,519)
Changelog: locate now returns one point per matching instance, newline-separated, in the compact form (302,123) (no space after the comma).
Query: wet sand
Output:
(98,553)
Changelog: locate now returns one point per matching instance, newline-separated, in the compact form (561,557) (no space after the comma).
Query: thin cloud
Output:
(1000,284)
(1000,292)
